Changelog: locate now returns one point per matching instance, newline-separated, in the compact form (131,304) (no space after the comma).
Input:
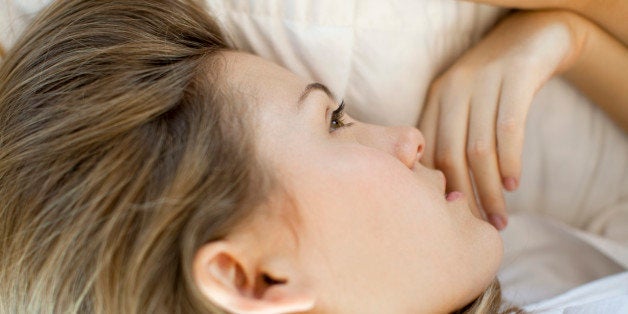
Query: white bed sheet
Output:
(607,295)
(544,258)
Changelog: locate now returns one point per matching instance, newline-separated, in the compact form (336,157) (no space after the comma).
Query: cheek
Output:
(367,207)
(373,194)
(375,222)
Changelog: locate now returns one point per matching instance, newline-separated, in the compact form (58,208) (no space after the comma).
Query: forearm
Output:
(600,70)
(608,14)
(611,15)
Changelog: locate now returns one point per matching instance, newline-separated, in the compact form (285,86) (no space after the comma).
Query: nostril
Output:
(419,141)
(420,150)
(419,153)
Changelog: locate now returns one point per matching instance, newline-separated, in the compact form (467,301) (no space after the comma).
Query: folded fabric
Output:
(606,295)
(544,258)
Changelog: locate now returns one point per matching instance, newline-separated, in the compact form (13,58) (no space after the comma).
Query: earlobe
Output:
(238,284)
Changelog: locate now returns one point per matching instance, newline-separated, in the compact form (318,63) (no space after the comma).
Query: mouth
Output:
(454,196)
(451,196)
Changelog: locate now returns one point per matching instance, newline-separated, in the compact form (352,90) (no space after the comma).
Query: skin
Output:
(475,115)
(366,228)
(608,14)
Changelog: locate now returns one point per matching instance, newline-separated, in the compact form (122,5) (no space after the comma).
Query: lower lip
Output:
(454,196)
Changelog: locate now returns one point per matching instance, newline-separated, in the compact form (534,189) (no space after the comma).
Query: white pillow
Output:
(14,16)
(380,56)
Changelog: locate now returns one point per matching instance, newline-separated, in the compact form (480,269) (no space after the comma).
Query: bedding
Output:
(544,258)
(14,16)
(607,295)
(380,56)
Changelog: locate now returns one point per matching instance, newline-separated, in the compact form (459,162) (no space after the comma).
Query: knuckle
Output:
(507,125)
(461,75)
(479,148)
(521,63)
(493,66)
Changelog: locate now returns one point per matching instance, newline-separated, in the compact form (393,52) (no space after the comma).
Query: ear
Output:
(239,284)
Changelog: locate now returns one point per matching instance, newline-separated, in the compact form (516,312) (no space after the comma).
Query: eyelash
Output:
(337,119)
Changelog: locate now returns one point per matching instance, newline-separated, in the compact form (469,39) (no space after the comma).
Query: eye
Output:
(337,119)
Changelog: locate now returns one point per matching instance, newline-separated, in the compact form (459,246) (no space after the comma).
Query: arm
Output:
(608,14)
(601,69)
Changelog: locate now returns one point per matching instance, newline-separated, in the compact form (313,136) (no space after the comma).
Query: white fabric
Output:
(380,56)
(606,295)
(14,16)
(544,258)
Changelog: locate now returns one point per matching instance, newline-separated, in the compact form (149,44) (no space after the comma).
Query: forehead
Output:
(262,81)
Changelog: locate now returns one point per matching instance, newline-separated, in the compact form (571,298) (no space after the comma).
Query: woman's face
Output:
(371,228)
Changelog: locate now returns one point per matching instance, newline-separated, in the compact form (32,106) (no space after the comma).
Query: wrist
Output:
(578,6)
(579,30)
(569,29)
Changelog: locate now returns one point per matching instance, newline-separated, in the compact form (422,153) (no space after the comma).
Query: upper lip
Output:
(444,179)
(440,174)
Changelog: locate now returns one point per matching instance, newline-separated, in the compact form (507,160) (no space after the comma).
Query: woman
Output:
(146,167)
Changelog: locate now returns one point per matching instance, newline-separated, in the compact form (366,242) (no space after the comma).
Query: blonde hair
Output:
(120,155)
(490,301)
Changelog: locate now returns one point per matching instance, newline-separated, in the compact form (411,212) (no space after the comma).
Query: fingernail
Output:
(510,184)
(498,221)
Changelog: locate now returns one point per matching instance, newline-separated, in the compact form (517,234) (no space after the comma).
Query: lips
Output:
(454,196)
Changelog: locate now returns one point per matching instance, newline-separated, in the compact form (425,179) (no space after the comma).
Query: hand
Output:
(474,119)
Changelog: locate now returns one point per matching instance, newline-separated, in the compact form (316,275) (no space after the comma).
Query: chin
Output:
(491,249)
(495,246)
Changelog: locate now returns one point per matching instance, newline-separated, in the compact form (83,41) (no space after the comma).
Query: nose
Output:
(408,145)
(405,143)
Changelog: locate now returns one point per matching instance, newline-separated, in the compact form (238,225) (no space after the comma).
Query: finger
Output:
(427,126)
(481,151)
(450,145)
(514,104)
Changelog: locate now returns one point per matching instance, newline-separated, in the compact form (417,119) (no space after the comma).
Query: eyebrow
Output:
(312,87)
